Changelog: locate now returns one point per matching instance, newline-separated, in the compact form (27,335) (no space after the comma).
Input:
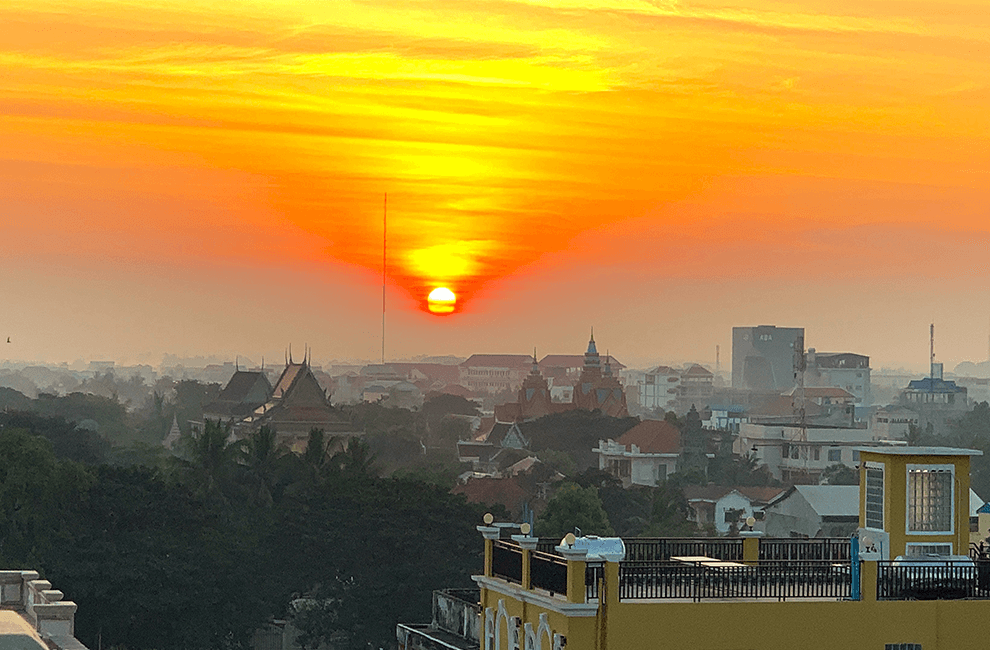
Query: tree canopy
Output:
(203,553)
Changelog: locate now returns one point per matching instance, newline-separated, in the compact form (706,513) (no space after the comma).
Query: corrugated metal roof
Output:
(831,500)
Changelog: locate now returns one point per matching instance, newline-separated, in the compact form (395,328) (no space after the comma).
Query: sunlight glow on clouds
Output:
(503,129)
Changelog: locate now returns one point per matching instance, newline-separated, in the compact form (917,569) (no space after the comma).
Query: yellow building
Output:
(903,582)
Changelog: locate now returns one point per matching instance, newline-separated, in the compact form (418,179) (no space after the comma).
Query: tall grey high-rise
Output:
(763,357)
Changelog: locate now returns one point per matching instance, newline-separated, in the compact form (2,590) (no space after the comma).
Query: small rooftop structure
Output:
(33,616)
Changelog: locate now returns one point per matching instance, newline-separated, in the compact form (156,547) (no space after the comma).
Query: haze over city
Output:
(494,324)
(176,179)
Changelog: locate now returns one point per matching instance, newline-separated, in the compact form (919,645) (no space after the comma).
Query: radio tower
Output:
(384,249)
(932,349)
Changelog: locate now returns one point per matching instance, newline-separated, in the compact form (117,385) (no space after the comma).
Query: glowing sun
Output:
(441,300)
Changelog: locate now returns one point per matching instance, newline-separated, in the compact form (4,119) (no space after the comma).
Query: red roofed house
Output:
(644,455)
(506,491)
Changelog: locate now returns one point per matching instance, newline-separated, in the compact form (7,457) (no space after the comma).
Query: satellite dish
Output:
(568,539)
(525,528)
(750,521)
(489,519)
(867,541)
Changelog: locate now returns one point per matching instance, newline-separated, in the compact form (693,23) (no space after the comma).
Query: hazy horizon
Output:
(212,181)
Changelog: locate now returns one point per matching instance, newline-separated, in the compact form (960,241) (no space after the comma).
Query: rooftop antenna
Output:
(384,260)
(237,366)
(718,361)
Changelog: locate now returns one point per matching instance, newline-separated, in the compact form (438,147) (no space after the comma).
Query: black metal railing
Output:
(661,549)
(780,580)
(933,580)
(833,549)
(548,572)
(507,561)
(979,551)
(594,573)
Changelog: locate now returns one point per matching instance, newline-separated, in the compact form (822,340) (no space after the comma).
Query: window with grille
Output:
(930,499)
(902,646)
(924,550)
(874,497)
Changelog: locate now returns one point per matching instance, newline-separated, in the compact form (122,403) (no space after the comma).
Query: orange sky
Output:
(183,177)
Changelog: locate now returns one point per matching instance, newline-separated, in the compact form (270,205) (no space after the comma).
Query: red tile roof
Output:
(455,389)
(505,491)
(705,492)
(653,437)
(814,392)
(697,371)
(498,361)
(783,407)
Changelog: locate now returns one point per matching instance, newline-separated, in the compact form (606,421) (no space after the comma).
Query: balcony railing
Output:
(833,549)
(594,572)
(786,569)
(641,549)
(548,572)
(779,580)
(507,562)
(933,581)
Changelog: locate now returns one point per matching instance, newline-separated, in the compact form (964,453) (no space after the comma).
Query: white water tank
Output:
(609,549)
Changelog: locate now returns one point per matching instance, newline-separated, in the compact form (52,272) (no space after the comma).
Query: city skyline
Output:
(177,179)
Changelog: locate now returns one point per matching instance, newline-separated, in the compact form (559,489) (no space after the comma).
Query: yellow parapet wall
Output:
(935,625)
(740,625)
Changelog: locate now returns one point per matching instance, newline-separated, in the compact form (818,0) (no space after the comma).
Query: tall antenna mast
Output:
(384,259)
(932,348)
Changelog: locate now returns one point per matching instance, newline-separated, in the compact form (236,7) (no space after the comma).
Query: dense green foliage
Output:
(640,511)
(576,432)
(572,507)
(202,553)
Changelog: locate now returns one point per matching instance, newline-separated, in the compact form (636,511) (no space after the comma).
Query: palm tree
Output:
(212,458)
(260,455)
